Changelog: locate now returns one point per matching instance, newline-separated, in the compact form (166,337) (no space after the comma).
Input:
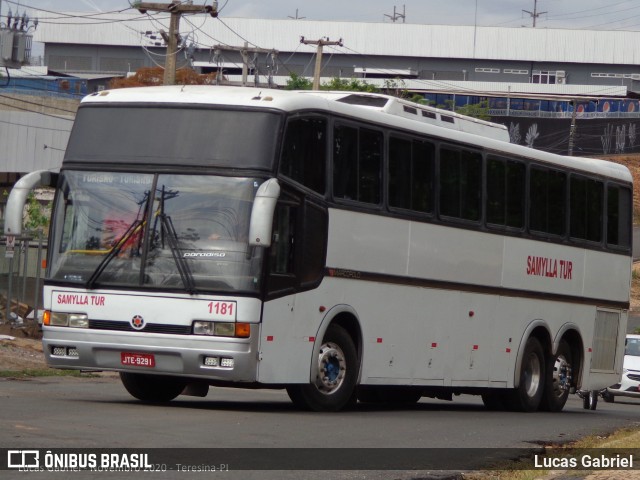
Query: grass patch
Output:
(42,372)
(628,437)
(623,439)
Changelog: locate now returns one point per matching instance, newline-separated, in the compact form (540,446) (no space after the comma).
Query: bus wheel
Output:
(334,386)
(527,397)
(557,380)
(152,388)
(590,400)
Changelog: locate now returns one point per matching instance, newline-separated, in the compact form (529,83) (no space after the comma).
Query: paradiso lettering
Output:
(549,267)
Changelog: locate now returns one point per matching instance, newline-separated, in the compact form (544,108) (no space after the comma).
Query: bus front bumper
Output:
(193,356)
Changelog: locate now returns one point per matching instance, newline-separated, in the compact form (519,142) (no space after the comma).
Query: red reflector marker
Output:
(379,340)
(270,338)
(434,345)
(475,347)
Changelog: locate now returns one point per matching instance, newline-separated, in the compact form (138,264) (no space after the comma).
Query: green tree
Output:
(417,98)
(396,87)
(352,85)
(297,82)
(37,215)
(476,110)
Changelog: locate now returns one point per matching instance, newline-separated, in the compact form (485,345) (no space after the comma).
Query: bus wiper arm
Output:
(115,250)
(181,263)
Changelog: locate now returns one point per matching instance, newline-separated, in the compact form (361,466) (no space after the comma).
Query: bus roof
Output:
(376,108)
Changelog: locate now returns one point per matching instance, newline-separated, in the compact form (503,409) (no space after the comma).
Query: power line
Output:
(36,104)
(33,126)
(39,113)
(237,34)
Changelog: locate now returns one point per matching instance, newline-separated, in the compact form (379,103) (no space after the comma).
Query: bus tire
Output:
(557,379)
(334,387)
(590,400)
(528,395)
(152,388)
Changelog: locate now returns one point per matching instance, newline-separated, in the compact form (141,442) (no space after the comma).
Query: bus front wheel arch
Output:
(334,386)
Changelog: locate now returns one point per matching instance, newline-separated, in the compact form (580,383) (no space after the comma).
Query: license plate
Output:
(137,359)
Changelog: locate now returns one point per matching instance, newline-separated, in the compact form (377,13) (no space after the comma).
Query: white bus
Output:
(343,246)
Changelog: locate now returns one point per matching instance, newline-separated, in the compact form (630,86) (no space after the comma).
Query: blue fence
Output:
(64,87)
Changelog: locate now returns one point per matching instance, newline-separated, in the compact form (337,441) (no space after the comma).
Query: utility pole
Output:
(396,16)
(244,52)
(320,44)
(288,16)
(572,128)
(176,8)
(535,14)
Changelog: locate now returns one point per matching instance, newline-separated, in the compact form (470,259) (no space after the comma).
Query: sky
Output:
(583,14)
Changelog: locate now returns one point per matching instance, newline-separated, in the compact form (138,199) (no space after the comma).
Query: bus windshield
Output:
(189,234)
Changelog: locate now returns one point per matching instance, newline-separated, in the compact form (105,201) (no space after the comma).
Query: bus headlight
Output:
(221,329)
(202,328)
(62,319)
(78,320)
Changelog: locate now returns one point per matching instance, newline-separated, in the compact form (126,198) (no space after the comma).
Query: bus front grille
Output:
(148,328)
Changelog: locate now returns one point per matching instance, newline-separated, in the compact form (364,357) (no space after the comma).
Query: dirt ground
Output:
(23,350)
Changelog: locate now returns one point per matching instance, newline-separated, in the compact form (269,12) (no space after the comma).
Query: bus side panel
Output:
(607,276)
(289,327)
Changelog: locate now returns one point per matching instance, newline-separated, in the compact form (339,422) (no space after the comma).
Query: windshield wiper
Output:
(115,250)
(119,244)
(181,263)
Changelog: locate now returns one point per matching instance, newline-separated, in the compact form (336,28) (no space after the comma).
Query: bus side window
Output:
(304,152)
(460,184)
(411,174)
(547,211)
(506,187)
(586,201)
(282,276)
(357,164)
(312,244)
(618,213)
(282,249)
(298,250)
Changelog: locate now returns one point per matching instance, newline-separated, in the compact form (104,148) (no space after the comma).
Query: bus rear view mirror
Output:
(262,213)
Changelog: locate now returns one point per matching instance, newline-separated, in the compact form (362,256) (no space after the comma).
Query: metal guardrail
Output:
(21,273)
(504,112)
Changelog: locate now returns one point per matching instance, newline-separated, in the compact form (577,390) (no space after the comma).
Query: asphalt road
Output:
(66,412)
